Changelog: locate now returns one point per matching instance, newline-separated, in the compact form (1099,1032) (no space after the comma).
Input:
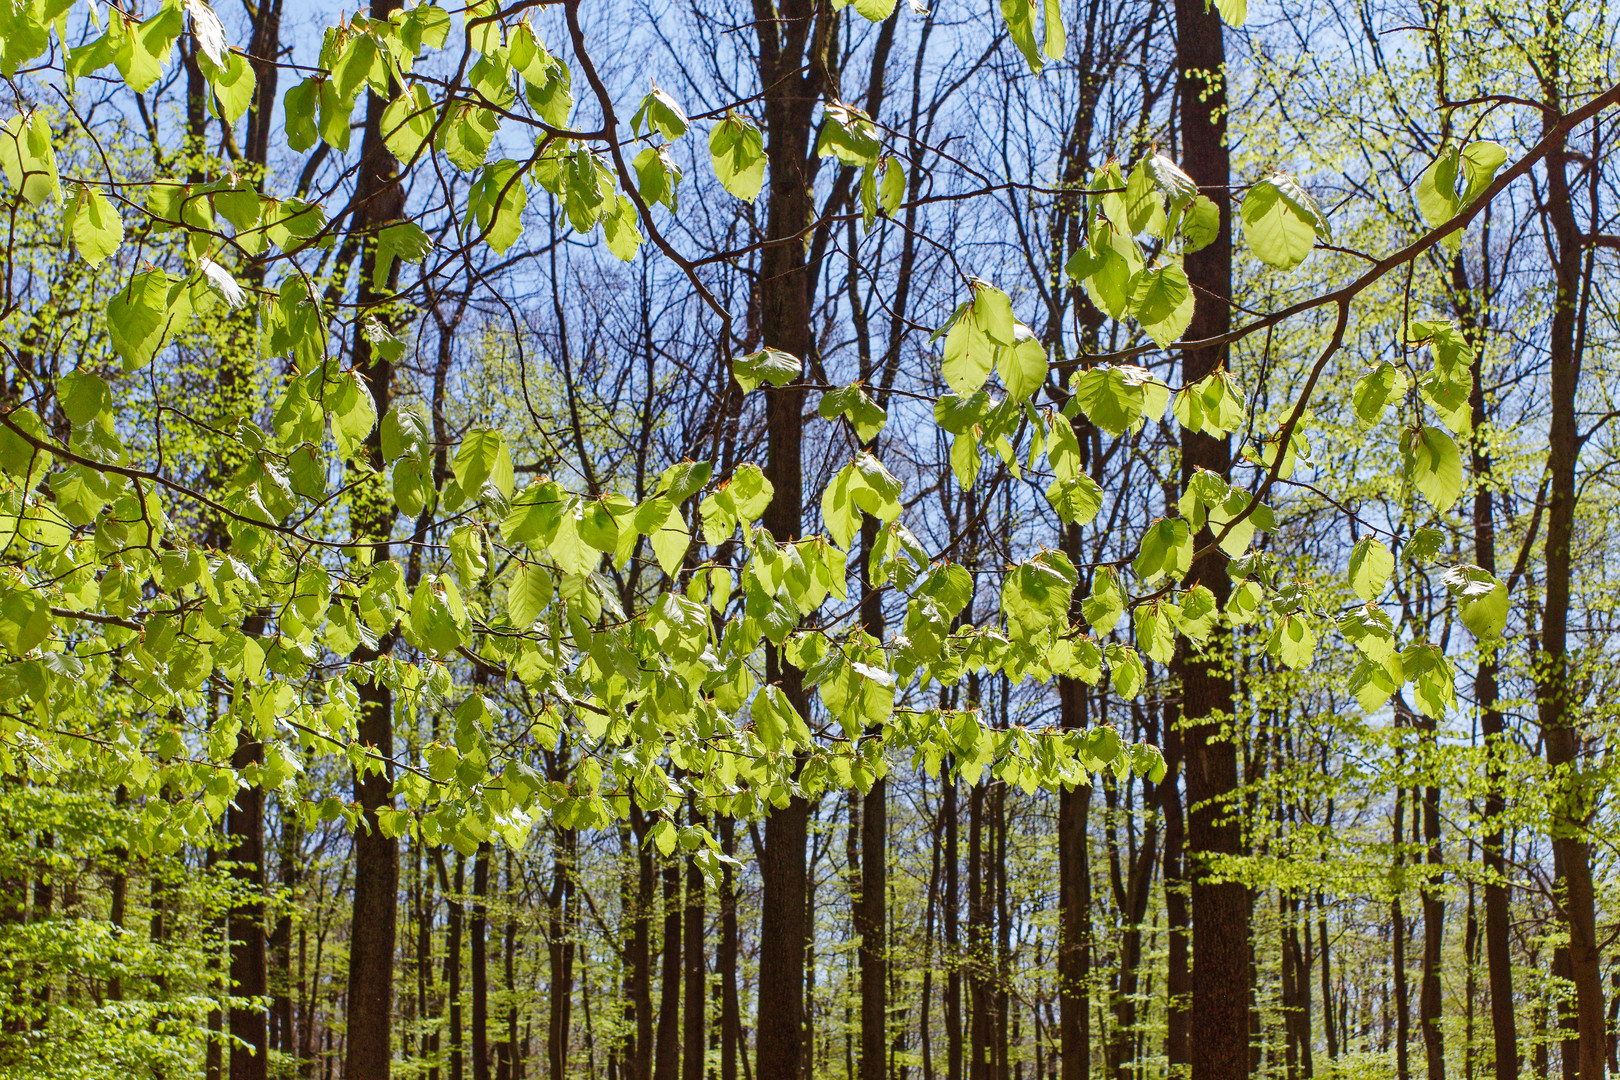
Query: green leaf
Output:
(660,113)
(1433,465)
(234,84)
(1372,684)
(1233,12)
(298,110)
(969,355)
(1103,608)
(1117,398)
(1432,677)
(83,397)
(407,122)
(25,621)
(496,201)
(1076,501)
(1281,221)
(1375,391)
(1200,224)
(1022,365)
(670,541)
(138,316)
(142,52)
(1019,16)
(1370,567)
(1482,600)
(483,457)
(1456,178)
(400,240)
(1126,670)
(1166,549)
(874,10)
(849,135)
(768,365)
(1292,642)
(892,188)
(852,402)
(738,152)
(1155,631)
(1162,300)
(28,157)
(94,224)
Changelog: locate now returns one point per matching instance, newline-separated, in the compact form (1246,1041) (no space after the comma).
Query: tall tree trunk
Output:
(1397,924)
(1178,972)
(560,953)
(695,1020)
(1498,945)
(1433,922)
(478,927)
(638,967)
(244,825)
(792,66)
(953,940)
(368,1051)
(1556,706)
(872,870)
(1218,1035)
(980,1003)
(455,910)
(726,960)
(667,1057)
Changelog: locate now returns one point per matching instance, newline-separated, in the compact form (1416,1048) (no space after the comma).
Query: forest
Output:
(799,539)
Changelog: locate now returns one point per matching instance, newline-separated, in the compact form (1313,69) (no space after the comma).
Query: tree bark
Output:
(368,1051)
(1556,705)
(1218,1032)
(695,1020)
(792,64)
(478,927)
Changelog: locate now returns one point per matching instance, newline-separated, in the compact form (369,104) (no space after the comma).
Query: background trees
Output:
(787,540)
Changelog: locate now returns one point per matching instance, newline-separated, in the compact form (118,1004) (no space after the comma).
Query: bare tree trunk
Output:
(726,960)
(478,926)
(953,941)
(1218,1035)
(793,38)
(667,1057)
(1397,922)
(1556,706)
(695,1022)
(368,1050)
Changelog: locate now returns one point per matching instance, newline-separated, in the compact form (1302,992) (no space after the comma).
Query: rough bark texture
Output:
(1219,1021)
(368,1053)
(792,71)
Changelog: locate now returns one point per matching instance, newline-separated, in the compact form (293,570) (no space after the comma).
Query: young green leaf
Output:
(95,225)
(1482,600)
(768,365)
(1370,567)
(1433,465)
(738,152)
(1281,221)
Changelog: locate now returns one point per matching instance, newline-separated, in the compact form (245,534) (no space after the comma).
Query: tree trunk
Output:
(726,960)
(368,1052)
(1556,705)
(792,66)
(1218,1034)
(695,1021)
(1498,944)
(1397,923)
(667,1057)
(478,927)
(244,825)
(953,941)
